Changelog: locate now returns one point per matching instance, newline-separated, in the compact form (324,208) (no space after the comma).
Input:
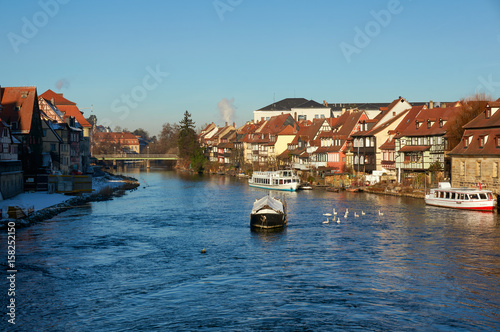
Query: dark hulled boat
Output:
(268,213)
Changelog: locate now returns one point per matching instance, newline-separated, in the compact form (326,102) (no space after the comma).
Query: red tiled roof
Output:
(388,145)
(18,105)
(447,114)
(490,147)
(414,148)
(58,98)
(66,106)
(72,110)
(289,130)
(115,136)
(482,121)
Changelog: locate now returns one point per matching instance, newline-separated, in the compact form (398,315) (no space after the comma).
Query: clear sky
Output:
(143,63)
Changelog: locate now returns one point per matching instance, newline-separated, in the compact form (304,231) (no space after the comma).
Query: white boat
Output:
(460,198)
(267,213)
(277,180)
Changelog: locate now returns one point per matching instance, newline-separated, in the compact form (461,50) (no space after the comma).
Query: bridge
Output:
(146,157)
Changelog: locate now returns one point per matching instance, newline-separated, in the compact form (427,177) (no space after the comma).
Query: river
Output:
(135,263)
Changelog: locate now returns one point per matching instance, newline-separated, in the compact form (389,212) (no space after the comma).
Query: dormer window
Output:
(441,123)
(481,141)
(487,113)
(497,142)
(417,124)
(466,142)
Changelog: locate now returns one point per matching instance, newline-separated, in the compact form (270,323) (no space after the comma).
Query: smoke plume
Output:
(226,109)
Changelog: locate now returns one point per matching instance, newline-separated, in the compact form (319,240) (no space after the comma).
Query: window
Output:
(462,168)
(478,168)
(5,148)
(14,125)
(481,141)
(495,169)
(52,147)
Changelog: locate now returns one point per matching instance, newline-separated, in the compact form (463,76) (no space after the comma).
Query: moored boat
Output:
(305,186)
(276,180)
(268,213)
(460,198)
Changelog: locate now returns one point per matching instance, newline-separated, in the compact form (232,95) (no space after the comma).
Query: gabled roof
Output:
(409,118)
(276,123)
(347,123)
(18,105)
(66,106)
(57,97)
(378,129)
(289,130)
(72,110)
(284,105)
(446,114)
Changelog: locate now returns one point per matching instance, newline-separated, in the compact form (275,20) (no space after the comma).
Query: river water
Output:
(135,263)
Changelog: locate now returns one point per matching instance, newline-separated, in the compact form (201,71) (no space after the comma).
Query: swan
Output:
(356,215)
(362,213)
(380,213)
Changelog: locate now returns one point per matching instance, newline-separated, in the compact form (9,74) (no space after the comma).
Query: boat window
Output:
(466,197)
(436,194)
(462,197)
(452,195)
(474,196)
(447,194)
(441,194)
(281,181)
(482,196)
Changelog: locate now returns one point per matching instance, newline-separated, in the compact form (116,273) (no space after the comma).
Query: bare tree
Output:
(471,107)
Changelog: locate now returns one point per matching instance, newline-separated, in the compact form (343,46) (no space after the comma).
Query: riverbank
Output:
(40,206)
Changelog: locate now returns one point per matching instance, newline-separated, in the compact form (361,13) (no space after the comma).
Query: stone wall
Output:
(11,178)
(469,171)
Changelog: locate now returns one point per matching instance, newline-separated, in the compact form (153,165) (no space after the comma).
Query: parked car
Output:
(76,172)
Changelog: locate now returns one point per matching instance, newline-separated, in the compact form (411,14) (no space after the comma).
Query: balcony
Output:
(303,167)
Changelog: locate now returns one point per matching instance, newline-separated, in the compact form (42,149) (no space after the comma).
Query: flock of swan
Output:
(346,214)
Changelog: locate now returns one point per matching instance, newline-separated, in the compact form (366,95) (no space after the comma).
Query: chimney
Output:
(226,123)
(431,104)
(234,125)
(52,101)
(324,102)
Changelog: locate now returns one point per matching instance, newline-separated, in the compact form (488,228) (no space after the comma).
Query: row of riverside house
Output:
(400,139)
(40,135)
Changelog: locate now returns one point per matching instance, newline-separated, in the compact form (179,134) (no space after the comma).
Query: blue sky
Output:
(143,63)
